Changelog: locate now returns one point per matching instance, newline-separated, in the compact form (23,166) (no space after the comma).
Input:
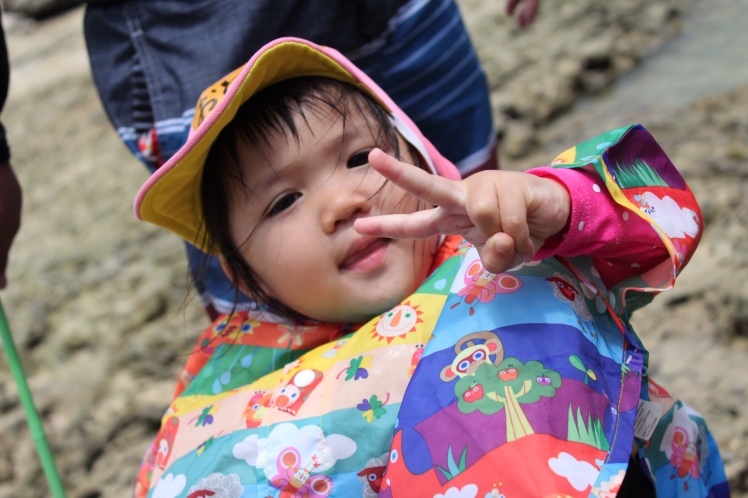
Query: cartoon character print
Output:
(294,460)
(145,473)
(641,201)
(481,286)
(165,438)
(255,409)
(398,322)
(684,445)
(472,354)
(565,289)
(234,328)
(371,476)
(507,386)
(685,457)
(295,480)
(292,395)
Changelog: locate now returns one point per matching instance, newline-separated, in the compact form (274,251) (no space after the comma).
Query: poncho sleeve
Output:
(632,213)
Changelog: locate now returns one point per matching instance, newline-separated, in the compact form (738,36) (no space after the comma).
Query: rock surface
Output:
(99,304)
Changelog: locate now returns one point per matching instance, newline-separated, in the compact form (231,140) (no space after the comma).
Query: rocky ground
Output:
(99,305)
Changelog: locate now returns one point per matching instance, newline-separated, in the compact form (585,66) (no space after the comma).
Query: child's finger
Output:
(499,254)
(433,189)
(418,225)
(513,215)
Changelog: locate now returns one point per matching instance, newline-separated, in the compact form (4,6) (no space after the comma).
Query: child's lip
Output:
(360,249)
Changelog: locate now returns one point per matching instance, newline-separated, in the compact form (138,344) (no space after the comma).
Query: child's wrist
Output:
(560,220)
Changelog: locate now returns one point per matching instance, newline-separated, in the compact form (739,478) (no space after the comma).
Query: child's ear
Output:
(232,276)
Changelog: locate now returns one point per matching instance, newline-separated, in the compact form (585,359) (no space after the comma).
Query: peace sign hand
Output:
(506,215)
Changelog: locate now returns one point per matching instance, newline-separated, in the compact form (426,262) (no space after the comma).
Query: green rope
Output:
(35,424)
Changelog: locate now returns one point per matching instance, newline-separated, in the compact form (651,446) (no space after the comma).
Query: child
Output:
(387,358)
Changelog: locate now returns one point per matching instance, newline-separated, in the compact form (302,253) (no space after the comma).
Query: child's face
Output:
(294,222)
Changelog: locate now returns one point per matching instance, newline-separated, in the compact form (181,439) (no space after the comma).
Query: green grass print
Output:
(590,432)
(454,469)
(637,174)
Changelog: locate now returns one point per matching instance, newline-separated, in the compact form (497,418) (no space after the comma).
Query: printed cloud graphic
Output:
(169,486)
(580,474)
(611,487)
(309,440)
(468,491)
(247,450)
(674,220)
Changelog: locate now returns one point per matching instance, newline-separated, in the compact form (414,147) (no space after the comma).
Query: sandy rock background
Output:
(99,305)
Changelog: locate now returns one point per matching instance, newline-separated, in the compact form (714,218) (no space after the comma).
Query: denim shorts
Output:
(151,59)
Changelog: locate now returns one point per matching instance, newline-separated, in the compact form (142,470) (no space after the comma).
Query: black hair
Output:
(273,110)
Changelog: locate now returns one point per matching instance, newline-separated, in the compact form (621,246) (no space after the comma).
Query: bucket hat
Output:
(170,198)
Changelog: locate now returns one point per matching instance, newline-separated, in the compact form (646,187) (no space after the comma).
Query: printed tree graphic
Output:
(507,386)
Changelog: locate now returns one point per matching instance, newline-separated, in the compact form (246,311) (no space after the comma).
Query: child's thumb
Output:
(498,253)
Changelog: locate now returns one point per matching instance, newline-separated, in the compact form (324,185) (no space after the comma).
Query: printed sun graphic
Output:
(398,322)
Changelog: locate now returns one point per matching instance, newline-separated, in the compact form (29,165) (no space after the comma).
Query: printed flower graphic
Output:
(373,408)
(357,368)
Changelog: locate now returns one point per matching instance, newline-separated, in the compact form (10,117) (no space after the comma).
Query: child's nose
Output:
(343,207)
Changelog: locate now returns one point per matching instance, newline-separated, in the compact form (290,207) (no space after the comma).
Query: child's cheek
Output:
(398,201)
(425,252)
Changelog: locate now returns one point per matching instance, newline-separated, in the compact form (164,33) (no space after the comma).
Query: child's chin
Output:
(367,313)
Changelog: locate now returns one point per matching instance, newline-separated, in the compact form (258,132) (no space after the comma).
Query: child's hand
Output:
(507,215)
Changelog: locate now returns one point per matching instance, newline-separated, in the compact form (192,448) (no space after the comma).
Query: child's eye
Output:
(283,203)
(358,159)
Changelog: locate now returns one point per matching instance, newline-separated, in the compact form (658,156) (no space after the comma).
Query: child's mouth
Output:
(367,255)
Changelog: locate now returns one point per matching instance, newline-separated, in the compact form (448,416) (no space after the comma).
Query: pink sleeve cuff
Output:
(598,226)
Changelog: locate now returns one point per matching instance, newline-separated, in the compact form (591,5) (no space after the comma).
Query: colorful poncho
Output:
(525,383)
